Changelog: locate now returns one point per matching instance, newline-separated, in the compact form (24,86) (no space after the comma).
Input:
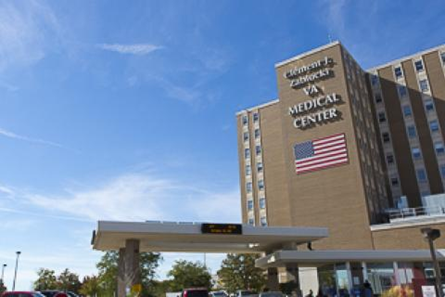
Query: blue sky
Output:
(125,110)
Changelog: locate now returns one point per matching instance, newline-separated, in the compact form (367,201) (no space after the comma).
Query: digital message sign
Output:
(222,229)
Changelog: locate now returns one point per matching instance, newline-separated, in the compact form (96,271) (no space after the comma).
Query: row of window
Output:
(263,221)
(259,168)
(407,112)
(418,65)
(257,151)
(260,186)
(256,133)
(262,203)
(411,130)
(245,119)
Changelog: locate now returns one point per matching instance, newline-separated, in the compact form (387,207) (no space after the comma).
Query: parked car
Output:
(245,293)
(22,294)
(218,294)
(271,294)
(49,293)
(195,292)
(54,293)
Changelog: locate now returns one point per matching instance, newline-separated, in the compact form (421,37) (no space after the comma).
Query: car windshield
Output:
(271,294)
(197,293)
(37,294)
(247,293)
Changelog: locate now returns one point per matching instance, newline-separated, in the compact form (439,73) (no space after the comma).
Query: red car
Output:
(22,294)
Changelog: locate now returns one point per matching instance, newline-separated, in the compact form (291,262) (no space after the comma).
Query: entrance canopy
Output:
(194,237)
(317,258)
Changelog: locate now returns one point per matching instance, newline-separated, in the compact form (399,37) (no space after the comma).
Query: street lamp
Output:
(15,271)
(3,273)
(430,235)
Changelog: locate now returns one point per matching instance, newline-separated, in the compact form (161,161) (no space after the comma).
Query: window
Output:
(424,85)
(390,158)
(421,175)
(434,126)
(251,221)
(256,117)
(246,153)
(374,79)
(419,65)
(250,204)
(416,153)
(249,187)
(246,136)
(411,131)
(438,146)
(378,98)
(407,112)
(442,170)
(402,91)
(382,117)
(398,72)
(442,55)
(245,120)
(429,105)
(259,167)
(261,184)
(257,133)
(258,150)
(394,181)
(262,203)
(263,221)
(385,137)
(248,170)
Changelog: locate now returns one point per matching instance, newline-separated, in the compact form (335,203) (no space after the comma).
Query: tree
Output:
(2,287)
(108,267)
(46,281)
(188,274)
(239,272)
(90,286)
(68,281)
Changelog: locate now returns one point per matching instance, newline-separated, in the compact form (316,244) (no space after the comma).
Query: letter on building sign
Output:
(311,90)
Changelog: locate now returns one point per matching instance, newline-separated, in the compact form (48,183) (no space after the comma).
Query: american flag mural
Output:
(321,153)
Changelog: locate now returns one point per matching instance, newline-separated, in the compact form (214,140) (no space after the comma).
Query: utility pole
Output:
(431,235)
(16,267)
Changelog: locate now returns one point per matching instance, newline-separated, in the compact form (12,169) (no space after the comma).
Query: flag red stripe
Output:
(340,162)
(323,160)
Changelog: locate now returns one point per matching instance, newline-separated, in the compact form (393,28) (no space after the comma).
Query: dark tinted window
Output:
(197,293)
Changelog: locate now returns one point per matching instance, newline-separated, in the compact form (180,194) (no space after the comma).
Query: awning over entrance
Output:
(189,237)
(317,258)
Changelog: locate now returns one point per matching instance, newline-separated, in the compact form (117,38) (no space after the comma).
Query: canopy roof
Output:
(188,237)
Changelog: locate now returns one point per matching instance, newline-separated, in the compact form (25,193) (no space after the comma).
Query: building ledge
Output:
(410,222)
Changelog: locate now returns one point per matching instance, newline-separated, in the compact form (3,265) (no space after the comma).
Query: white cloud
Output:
(25,28)
(139,197)
(13,135)
(134,49)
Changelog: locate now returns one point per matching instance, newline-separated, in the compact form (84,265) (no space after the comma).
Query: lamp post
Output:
(430,235)
(15,271)
(3,271)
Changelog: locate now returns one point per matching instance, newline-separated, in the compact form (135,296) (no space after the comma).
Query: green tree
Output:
(2,287)
(90,286)
(239,272)
(46,280)
(108,267)
(188,274)
(68,281)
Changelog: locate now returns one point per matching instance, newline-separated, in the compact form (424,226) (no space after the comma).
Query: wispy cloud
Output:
(133,49)
(25,28)
(137,196)
(13,135)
